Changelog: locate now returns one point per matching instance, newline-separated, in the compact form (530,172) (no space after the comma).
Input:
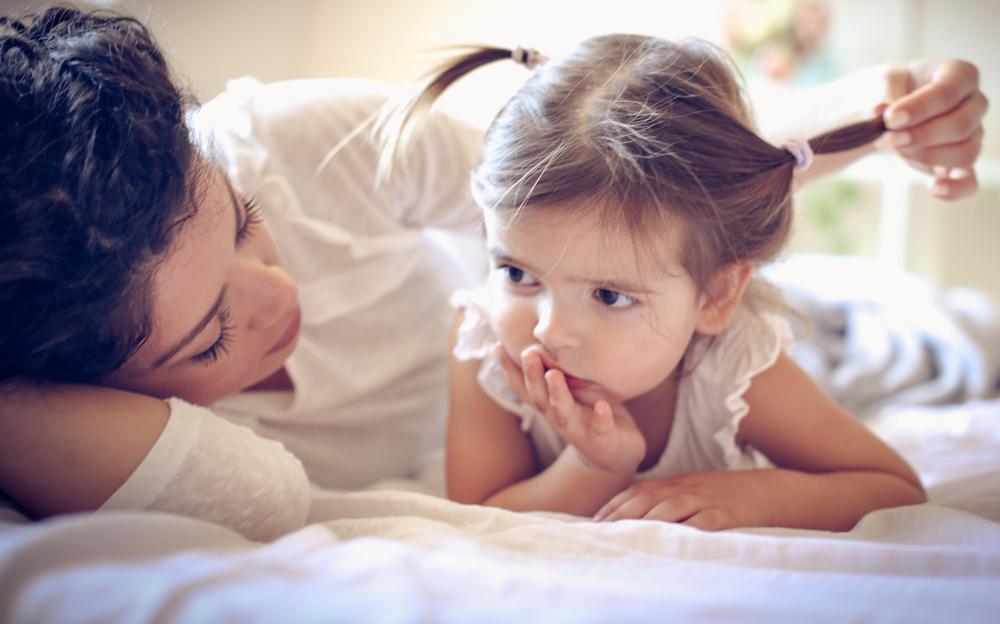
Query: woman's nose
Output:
(554,328)
(268,293)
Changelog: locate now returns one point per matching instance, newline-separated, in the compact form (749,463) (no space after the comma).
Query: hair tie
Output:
(529,57)
(801,151)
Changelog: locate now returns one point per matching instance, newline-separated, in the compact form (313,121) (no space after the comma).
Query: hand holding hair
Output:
(934,117)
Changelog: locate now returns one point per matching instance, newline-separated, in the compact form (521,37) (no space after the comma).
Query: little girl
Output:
(623,361)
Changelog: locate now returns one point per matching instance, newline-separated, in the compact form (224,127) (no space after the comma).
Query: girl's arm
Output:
(840,470)
(831,470)
(491,461)
(68,448)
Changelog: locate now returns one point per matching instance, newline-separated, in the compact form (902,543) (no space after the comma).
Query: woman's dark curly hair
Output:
(96,173)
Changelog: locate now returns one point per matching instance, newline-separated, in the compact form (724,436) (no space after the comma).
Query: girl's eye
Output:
(614,299)
(221,346)
(252,219)
(518,276)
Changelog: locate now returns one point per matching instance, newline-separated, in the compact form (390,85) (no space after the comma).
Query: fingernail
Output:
(896,119)
(958,173)
(938,189)
(940,171)
(899,139)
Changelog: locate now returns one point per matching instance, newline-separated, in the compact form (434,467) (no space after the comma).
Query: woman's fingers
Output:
(945,86)
(898,83)
(962,128)
(957,184)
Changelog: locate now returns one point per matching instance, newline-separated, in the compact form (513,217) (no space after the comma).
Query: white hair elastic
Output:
(529,57)
(801,151)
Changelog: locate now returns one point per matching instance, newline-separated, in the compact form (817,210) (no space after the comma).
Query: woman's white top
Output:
(710,403)
(374,277)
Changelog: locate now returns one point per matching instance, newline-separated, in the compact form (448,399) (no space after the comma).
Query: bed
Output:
(395,552)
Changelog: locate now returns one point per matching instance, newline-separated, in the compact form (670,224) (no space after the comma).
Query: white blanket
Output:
(394,556)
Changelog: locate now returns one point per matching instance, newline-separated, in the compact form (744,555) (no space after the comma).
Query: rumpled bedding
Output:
(875,336)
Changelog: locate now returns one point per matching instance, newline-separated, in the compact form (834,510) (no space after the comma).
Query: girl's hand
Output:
(602,434)
(934,114)
(710,501)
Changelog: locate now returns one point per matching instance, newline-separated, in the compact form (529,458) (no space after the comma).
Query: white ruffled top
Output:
(710,403)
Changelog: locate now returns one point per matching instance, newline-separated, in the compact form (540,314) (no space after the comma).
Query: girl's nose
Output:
(554,328)
(268,291)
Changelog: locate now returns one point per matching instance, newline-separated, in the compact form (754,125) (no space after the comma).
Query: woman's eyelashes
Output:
(221,346)
(252,218)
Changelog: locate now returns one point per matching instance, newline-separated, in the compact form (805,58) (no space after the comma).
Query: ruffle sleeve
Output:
(750,346)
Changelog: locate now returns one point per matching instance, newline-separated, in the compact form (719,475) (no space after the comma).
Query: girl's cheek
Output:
(512,323)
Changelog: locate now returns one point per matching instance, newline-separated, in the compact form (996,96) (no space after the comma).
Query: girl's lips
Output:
(575,383)
(290,333)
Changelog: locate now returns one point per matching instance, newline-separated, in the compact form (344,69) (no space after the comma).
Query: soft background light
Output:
(954,244)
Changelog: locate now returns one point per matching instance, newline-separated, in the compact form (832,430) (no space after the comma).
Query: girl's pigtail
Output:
(840,140)
(400,117)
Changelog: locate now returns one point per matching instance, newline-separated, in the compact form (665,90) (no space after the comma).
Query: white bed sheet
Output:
(398,556)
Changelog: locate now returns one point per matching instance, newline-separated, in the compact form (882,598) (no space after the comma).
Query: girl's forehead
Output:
(549,238)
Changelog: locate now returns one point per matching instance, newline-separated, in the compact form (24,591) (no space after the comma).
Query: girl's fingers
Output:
(560,399)
(534,380)
(676,508)
(707,520)
(514,375)
(604,419)
(630,504)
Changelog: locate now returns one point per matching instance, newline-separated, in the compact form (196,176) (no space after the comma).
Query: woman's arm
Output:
(68,448)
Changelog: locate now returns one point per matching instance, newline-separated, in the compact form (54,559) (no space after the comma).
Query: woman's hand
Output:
(602,434)
(710,501)
(934,114)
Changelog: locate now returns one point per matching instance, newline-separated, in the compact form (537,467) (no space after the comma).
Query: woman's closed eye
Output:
(517,276)
(221,346)
(614,299)
(252,219)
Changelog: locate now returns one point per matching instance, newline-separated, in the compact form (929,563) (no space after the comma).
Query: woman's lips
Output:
(290,333)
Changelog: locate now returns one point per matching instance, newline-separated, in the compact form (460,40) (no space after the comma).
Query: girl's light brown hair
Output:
(648,130)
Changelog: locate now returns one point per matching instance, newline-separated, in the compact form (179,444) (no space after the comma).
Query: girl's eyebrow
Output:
(500,255)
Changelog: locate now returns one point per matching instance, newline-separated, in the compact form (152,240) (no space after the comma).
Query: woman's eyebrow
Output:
(163,359)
